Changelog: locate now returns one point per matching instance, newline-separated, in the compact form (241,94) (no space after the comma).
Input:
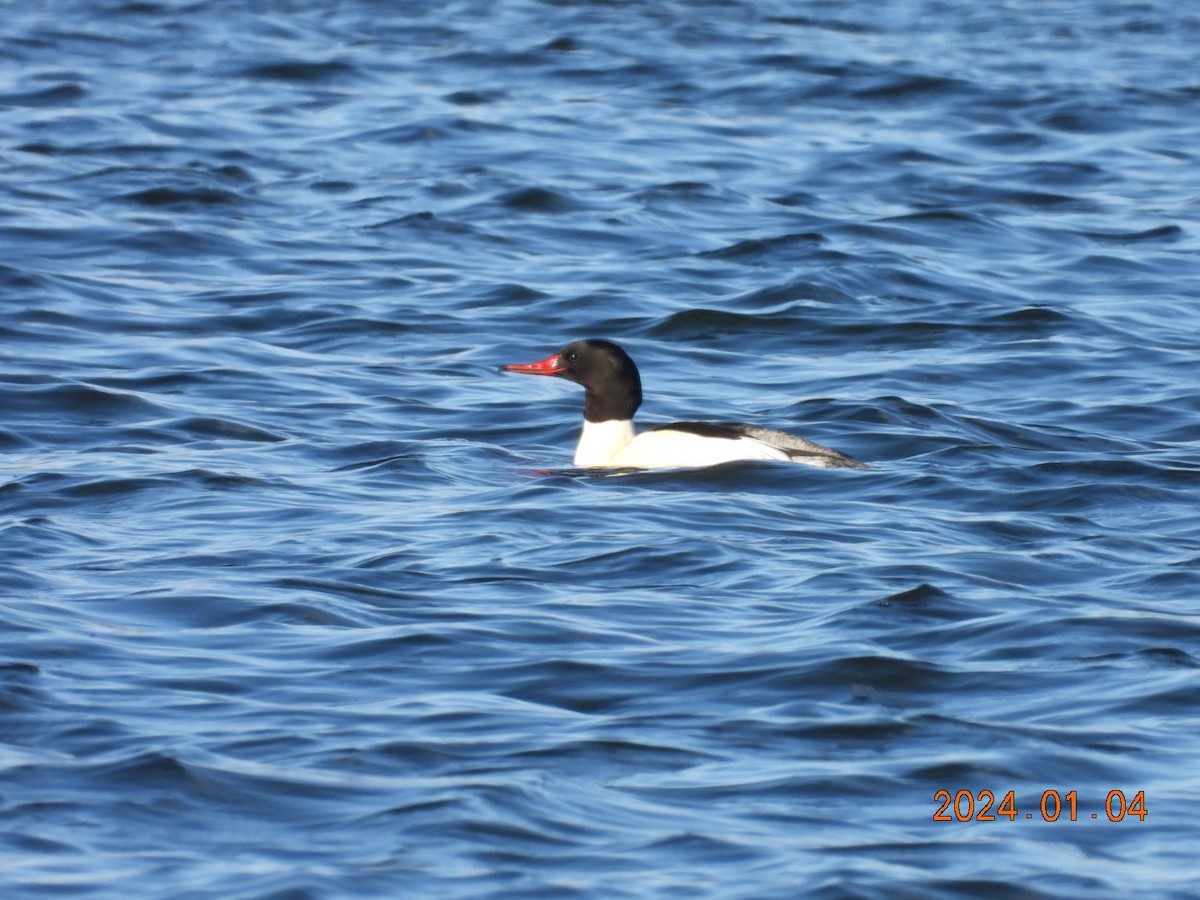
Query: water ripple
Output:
(300,597)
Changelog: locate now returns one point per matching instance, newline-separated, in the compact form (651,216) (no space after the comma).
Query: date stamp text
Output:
(981,806)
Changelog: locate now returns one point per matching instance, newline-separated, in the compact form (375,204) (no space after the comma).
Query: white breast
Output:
(601,441)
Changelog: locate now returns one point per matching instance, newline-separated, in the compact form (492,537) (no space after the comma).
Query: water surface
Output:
(299,598)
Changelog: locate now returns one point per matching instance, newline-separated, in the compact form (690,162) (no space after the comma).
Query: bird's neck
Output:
(617,401)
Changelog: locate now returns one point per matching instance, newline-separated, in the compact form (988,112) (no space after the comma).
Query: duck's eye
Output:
(571,357)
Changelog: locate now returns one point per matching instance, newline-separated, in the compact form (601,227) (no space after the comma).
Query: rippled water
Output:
(298,597)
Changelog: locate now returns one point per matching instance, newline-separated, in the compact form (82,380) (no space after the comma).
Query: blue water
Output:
(299,598)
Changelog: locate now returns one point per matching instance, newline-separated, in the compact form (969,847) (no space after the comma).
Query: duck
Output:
(612,389)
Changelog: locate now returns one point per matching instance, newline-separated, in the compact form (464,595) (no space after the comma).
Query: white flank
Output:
(613,444)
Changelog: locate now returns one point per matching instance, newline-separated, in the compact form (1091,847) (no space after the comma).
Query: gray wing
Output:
(803,450)
(798,449)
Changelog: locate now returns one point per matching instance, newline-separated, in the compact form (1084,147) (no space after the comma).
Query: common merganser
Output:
(612,394)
